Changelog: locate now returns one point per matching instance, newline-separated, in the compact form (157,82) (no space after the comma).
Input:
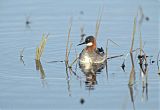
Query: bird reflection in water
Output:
(91,71)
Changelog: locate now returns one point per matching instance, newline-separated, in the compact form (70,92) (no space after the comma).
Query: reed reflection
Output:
(21,56)
(21,60)
(132,96)
(134,93)
(145,93)
(39,68)
(28,22)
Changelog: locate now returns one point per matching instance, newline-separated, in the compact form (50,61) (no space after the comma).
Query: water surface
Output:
(23,87)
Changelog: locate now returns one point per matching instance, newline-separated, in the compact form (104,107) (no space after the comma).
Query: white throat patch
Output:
(89,44)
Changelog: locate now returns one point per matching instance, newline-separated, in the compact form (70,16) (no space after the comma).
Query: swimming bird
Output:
(91,54)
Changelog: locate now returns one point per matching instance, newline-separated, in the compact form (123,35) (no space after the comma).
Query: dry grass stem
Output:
(116,56)
(158,62)
(141,45)
(98,21)
(132,73)
(68,40)
(109,40)
(40,48)
(21,52)
(107,54)
(70,49)
(73,62)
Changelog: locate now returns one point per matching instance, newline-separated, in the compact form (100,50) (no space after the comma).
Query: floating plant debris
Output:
(82,101)
(153,61)
(21,56)
(147,18)
(81,12)
(123,66)
(28,22)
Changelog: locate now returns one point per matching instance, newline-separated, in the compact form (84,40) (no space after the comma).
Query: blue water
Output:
(21,85)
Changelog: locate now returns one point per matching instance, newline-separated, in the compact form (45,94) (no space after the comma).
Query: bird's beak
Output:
(81,43)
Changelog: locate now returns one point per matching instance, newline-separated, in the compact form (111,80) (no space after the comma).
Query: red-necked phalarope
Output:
(91,54)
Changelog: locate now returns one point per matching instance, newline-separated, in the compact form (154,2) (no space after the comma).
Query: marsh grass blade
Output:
(68,41)
(70,49)
(132,73)
(158,62)
(40,48)
(109,40)
(21,52)
(98,22)
(73,62)
(67,48)
(141,45)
